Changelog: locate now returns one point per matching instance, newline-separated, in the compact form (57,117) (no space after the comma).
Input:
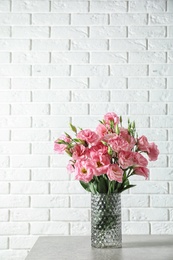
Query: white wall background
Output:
(74,61)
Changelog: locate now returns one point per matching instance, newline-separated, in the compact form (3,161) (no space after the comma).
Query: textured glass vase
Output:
(106,220)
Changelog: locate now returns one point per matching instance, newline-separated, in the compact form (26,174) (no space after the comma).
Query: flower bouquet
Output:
(103,161)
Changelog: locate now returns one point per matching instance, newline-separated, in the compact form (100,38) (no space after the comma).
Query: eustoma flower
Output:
(103,160)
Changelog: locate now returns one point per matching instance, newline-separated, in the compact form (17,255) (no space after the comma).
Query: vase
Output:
(106,220)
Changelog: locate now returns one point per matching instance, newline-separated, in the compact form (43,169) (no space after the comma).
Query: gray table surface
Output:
(78,248)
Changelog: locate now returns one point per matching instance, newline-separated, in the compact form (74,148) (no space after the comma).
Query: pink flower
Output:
(115,173)
(84,170)
(99,149)
(139,160)
(143,144)
(128,138)
(101,130)
(118,144)
(88,136)
(70,167)
(153,152)
(60,148)
(101,163)
(79,151)
(111,116)
(143,171)
(126,159)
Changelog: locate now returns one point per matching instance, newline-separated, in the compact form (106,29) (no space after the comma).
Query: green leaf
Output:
(102,186)
(85,185)
(117,130)
(73,128)
(67,135)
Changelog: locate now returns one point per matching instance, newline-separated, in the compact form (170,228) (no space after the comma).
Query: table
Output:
(145,247)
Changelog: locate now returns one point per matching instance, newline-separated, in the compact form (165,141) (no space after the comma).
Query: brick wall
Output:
(74,61)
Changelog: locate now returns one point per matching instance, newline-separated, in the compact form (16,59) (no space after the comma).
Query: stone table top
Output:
(134,247)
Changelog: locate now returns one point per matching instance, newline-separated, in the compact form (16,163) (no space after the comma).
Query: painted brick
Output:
(14,201)
(162,228)
(32,135)
(14,174)
(30,109)
(66,32)
(111,6)
(30,6)
(15,122)
(147,57)
(161,70)
(50,121)
(29,214)
(161,18)
(128,45)
(161,95)
(132,95)
(163,201)
(48,228)
(90,96)
(138,228)
(69,7)
(147,109)
(89,19)
(160,44)
(129,70)
(128,19)
(97,109)
(30,32)
(50,19)
(146,83)
(170,57)
(65,187)
(14,148)
(30,57)
(5,6)
(81,228)
(105,32)
(59,174)
(150,187)
(147,6)
(49,201)
(30,83)
(70,214)
(50,44)
(69,109)
(3,242)
(170,82)
(4,217)
(81,201)
(29,161)
(69,83)
(70,57)
(165,121)
(92,44)
(4,32)
(134,201)
(14,19)
(13,228)
(29,187)
(50,70)
(89,70)
(108,57)
(10,254)
(13,44)
(107,83)
(146,32)
(5,83)
(165,174)
(14,70)
(51,96)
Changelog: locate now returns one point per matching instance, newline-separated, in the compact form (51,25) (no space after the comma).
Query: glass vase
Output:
(106,220)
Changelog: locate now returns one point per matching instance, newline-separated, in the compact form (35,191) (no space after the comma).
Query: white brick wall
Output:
(64,61)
